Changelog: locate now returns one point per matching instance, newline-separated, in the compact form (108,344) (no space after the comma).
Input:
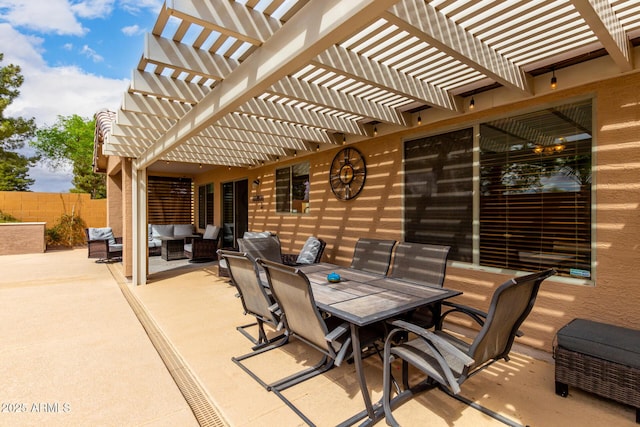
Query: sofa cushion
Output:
(607,342)
(182,230)
(116,247)
(309,251)
(211,232)
(103,233)
(256,234)
(158,230)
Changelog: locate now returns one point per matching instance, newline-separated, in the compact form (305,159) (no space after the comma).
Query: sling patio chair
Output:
(372,255)
(256,300)
(304,321)
(424,265)
(449,361)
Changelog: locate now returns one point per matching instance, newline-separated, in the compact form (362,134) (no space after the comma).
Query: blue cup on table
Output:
(333,277)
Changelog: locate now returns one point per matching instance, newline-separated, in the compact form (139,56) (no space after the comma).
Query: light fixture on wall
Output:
(419,119)
(375,131)
(295,153)
(344,138)
(318,147)
(255,183)
(554,80)
(200,165)
(472,103)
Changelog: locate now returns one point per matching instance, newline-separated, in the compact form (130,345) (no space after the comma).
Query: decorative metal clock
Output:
(347,174)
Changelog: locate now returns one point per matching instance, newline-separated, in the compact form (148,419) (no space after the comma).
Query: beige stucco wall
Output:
(613,297)
(49,207)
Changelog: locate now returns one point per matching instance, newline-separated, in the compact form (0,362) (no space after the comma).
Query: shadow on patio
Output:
(198,312)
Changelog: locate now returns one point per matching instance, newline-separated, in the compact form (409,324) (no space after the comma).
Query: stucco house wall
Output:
(377,212)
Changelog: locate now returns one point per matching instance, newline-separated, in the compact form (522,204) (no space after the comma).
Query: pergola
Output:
(247,82)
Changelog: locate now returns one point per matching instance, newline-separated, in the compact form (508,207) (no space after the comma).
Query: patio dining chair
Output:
(303,320)
(256,300)
(449,361)
(425,265)
(372,255)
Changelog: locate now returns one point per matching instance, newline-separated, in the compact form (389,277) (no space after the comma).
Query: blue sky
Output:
(76,58)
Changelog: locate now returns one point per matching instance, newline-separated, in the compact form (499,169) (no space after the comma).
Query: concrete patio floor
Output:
(74,348)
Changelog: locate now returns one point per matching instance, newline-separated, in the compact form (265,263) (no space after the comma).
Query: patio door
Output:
(235,211)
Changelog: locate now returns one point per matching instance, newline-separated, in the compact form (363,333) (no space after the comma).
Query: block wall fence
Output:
(49,207)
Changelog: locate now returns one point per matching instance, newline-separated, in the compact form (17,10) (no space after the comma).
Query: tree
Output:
(14,131)
(70,142)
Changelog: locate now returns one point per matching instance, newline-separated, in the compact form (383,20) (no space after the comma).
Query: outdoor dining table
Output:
(362,298)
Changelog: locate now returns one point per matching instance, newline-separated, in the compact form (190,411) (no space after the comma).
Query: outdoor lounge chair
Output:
(256,299)
(372,255)
(205,248)
(448,361)
(424,265)
(102,244)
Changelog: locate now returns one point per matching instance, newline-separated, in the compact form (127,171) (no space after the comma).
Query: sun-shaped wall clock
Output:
(347,174)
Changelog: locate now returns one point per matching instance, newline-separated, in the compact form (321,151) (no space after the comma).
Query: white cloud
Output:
(51,91)
(133,30)
(93,8)
(136,6)
(50,16)
(91,54)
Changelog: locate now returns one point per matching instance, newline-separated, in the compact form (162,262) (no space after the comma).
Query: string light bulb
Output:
(554,80)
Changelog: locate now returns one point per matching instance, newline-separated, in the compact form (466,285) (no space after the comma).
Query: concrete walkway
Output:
(75,353)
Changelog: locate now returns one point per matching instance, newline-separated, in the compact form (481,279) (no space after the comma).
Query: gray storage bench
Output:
(599,358)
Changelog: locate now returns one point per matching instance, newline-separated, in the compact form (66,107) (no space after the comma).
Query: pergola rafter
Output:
(276,78)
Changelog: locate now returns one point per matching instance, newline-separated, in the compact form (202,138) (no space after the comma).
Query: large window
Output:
(439,192)
(533,203)
(292,188)
(205,205)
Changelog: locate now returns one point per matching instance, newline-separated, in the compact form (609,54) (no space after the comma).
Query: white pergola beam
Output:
(182,57)
(425,22)
(145,121)
(226,17)
(165,87)
(275,110)
(231,137)
(142,104)
(315,28)
(274,128)
(359,68)
(322,96)
(602,20)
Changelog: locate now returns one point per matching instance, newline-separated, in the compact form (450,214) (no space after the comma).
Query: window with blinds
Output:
(292,188)
(205,205)
(169,200)
(535,191)
(534,200)
(439,192)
